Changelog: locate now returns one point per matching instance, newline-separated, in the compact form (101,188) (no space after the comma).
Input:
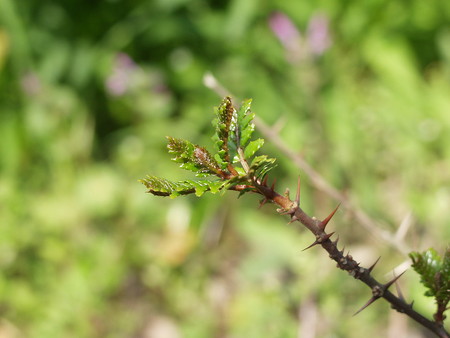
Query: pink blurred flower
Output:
(118,82)
(318,35)
(285,30)
(316,42)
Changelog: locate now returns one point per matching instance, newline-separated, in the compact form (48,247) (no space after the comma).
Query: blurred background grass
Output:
(87,94)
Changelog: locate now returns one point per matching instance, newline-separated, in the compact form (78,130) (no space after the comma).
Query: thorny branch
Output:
(344,261)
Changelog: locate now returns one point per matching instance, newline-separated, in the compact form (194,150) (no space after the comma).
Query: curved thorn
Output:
(373,265)
(324,223)
(293,219)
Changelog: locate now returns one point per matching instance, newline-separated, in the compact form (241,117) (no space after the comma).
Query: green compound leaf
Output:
(161,187)
(434,273)
(224,113)
(232,141)
(193,157)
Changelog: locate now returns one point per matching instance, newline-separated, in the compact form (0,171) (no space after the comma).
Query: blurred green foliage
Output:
(87,94)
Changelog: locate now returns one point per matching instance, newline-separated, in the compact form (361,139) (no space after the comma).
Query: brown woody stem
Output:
(346,262)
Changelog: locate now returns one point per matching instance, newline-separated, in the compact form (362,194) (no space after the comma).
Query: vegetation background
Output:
(88,92)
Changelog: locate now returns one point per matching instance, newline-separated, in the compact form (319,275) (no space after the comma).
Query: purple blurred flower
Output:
(285,31)
(318,35)
(118,82)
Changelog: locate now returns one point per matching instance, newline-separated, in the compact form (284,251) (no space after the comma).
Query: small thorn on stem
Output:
(273,184)
(327,236)
(336,241)
(373,265)
(319,240)
(262,202)
(264,182)
(388,284)
(293,219)
(369,302)
(324,223)
(310,246)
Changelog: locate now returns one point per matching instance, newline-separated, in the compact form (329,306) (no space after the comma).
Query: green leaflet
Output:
(224,113)
(162,187)
(253,147)
(192,157)
(434,273)
(245,127)
(261,165)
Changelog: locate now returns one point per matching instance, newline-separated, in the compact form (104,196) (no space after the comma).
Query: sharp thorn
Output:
(373,265)
(328,236)
(284,211)
(388,284)
(369,302)
(313,244)
(336,241)
(293,219)
(262,202)
(319,240)
(297,195)
(324,223)
(342,251)
(264,182)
